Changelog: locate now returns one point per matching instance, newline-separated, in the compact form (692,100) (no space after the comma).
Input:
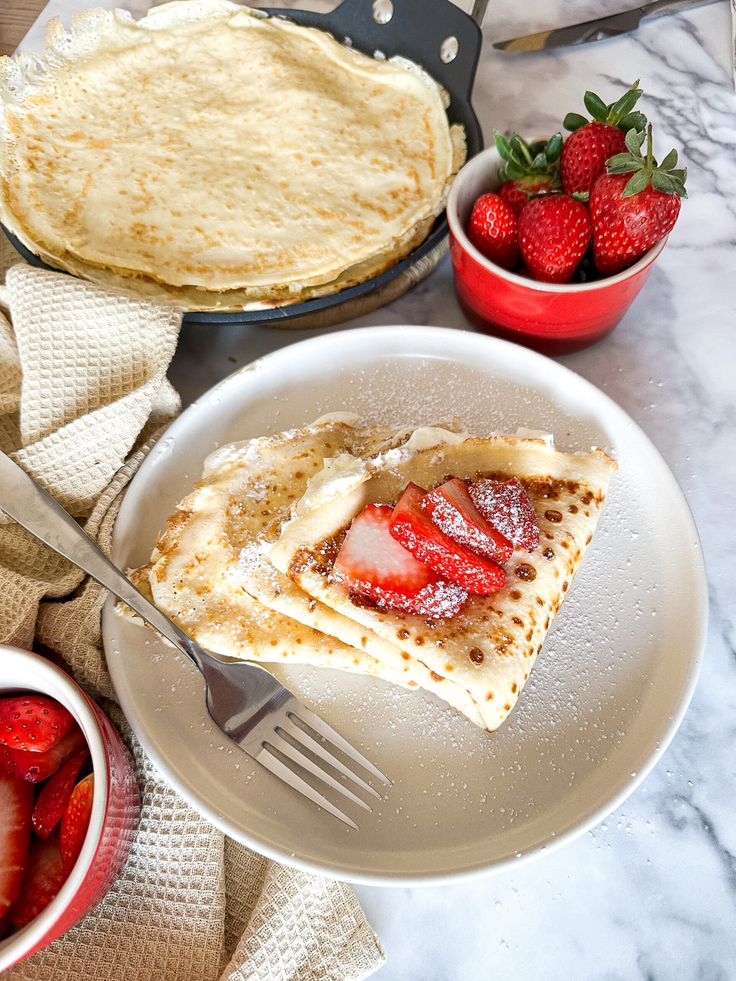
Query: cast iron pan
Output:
(423,31)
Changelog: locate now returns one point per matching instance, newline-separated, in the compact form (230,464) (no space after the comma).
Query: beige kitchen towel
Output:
(83,395)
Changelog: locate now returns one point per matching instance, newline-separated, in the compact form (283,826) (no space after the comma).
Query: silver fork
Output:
(253,709)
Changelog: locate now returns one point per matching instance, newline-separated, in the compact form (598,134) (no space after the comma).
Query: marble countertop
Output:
(650,893)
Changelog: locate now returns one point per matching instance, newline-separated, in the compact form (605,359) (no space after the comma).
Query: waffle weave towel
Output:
(83,395)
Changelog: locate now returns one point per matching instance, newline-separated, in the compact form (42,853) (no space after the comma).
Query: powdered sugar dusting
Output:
(506,505)
(599,685)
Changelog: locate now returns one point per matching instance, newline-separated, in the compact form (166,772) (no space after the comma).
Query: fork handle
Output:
(28,503)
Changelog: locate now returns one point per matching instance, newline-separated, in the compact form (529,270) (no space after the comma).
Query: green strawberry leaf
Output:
(514,171)
(583,196)
(633,120)
(625,104)
(502,144)
(595,106)
(620,113)
(668,184)
(634,142)
(553,148)
(573,121)
(664,177)
(521,159)
(638,182)
(663,182)
(521,150)
(669,161)
(623,163)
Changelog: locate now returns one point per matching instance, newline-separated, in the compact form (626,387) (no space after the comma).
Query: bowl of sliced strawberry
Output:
(552,240)
(69,804)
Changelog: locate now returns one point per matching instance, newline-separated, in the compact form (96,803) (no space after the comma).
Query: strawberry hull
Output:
(549,317)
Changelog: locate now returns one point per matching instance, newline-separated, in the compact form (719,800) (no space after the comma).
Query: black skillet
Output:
(427,32)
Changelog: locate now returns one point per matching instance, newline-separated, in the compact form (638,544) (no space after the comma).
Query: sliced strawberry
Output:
(371,563)
(43,879)
(55,795)
(33,723)
(75,822)
(16,804)
(451,508)
(35,767)
(415,530)
(506,505)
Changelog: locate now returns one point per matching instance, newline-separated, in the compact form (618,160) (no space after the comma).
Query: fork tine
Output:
(313,745)
(302,714)
(296,754)
(280,770)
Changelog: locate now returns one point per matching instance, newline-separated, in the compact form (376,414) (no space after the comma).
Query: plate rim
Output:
(483,868)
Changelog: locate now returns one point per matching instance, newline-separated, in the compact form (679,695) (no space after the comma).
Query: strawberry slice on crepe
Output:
(506,506)
(373,564)
(414,529)
(451,508)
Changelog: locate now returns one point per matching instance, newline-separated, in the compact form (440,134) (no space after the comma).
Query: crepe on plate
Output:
(251,548)
(216,157)
(209,574)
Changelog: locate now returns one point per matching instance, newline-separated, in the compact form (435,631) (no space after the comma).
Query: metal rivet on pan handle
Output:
(449,49)
(383,11)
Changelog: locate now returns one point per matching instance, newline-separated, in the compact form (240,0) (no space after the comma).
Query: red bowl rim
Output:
(489,160)
(23,669)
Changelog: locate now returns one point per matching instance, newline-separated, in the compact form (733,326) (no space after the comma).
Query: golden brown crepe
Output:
(489,649)
(290,496)
(209,574)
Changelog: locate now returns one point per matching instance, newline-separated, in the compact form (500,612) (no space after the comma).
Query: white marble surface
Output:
(651,893)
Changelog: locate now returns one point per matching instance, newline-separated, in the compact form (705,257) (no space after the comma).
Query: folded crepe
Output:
(243,565)
(490,647)
(209,574)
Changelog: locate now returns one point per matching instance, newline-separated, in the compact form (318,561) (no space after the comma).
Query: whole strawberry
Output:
(493,230)
(554,232)
(528,169)
(635,204)
(591,144)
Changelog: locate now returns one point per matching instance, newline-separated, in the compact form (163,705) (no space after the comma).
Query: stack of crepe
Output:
(243,565)
(218,158)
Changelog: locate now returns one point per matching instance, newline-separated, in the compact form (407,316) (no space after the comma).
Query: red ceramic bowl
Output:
(115,805)
(550,317)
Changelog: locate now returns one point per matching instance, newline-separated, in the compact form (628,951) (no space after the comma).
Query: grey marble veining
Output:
(650,894)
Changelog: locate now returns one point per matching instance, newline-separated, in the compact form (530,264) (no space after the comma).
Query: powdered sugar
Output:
(506,505)
(453,511)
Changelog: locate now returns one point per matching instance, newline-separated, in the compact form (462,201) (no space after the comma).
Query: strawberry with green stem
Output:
(592,143)
(635,204)
(528,169)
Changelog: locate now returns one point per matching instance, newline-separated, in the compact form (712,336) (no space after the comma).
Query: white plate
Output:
(603,701)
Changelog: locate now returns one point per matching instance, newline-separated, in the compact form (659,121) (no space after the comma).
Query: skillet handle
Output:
(418,29)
